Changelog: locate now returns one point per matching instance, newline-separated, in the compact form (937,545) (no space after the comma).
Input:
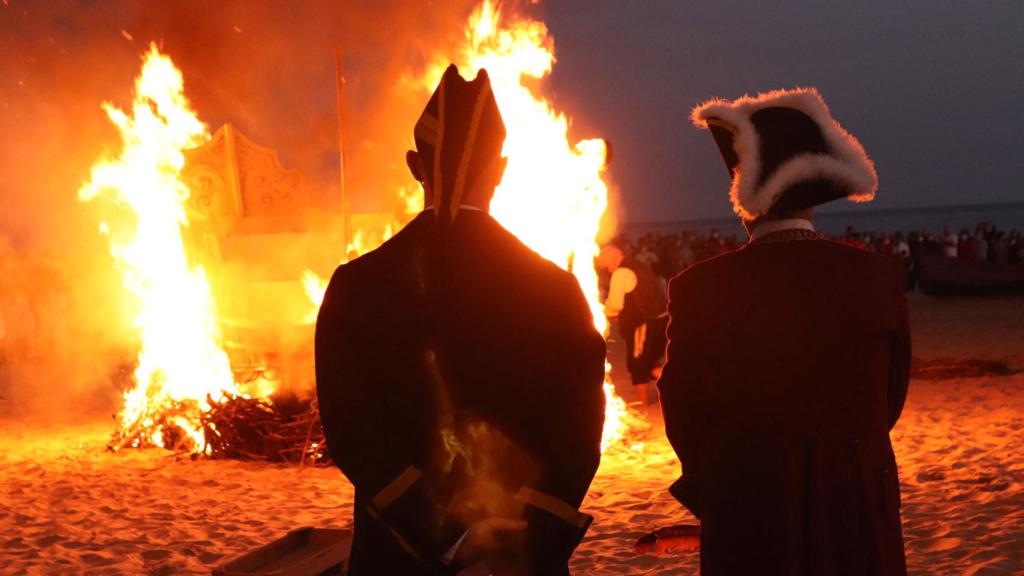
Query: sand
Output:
(69,507)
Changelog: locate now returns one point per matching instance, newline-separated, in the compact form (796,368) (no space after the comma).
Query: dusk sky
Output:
(933,89)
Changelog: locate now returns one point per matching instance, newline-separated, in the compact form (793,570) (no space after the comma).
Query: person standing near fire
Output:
(789,359)
(459,374)
(636,302)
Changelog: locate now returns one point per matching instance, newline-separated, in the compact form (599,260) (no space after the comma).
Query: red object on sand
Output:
(672,540)
(303,552)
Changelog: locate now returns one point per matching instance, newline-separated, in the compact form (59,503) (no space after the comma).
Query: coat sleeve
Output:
(680,402)
(899,380)
(391,489)
(576,365)
(574,421)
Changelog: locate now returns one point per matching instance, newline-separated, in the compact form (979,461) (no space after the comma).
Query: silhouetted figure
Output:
(949,243)
(459,373)
(636,301)
(788,360)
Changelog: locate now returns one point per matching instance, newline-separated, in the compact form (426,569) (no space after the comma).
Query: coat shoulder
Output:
(366,272)
(872,264)
(703,274)
(525,265)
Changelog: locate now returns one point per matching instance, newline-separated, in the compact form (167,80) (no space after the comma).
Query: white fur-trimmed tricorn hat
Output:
(785,152)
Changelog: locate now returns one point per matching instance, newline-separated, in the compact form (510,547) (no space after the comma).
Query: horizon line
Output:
(928,208)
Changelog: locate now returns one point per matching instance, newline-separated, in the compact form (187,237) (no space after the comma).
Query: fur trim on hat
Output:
(848,165)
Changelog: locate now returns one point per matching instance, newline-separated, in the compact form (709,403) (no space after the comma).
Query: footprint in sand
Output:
(156,554)
(931,476)
(996,487)
(210,557)
(48,540)
(15,544)
(93,559)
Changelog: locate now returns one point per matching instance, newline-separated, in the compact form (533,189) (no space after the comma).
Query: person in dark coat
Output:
(636,301)
(788,360)
(459,374)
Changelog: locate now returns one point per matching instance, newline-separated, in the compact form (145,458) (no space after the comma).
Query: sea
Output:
(1006,216)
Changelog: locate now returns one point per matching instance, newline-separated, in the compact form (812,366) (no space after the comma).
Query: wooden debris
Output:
(253,429)
(285,430)
(673,540)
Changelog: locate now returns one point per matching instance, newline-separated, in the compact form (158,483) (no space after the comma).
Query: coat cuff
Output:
(577,521)
(687,492)
(406,511)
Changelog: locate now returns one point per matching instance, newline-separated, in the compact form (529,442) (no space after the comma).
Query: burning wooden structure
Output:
(230,322)
(258,227)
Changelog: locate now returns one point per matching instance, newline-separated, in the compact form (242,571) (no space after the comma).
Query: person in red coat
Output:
(459,374)
(788,360)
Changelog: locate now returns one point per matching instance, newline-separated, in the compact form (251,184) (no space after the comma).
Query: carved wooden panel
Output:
(268,189)
(208,175)
(240,186)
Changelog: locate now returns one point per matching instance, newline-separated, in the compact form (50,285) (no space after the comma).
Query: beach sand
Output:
(67,506)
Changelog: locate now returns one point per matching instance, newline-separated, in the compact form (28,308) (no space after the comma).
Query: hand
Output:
(484,537)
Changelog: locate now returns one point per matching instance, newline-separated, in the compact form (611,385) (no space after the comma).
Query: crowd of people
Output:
(986,243)
(670,254)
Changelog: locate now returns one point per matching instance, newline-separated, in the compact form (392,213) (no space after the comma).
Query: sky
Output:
(932,88)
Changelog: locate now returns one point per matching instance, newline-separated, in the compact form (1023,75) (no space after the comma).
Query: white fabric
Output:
(623,282)
(773,226)
(449,556)
(949,245)
(903,249)
(639,339)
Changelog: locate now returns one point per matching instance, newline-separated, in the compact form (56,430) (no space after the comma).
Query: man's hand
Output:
(485,536)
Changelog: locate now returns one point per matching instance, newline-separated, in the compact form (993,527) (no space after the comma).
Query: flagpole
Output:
(346,217)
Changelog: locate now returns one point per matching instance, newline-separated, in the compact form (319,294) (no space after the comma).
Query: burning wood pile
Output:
(254,429)
(185,393)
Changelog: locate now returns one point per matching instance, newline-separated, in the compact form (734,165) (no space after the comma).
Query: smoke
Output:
(266,67)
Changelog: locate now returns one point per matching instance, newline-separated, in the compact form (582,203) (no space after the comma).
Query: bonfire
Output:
(184,393)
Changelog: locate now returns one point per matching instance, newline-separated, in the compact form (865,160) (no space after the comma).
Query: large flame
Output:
(552,196)
(181,360)
(315,288)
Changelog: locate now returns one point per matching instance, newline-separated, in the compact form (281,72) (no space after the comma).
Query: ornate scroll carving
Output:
(239,185)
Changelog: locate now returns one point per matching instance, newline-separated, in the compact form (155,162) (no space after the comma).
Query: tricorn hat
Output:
(459,137)
(785,152)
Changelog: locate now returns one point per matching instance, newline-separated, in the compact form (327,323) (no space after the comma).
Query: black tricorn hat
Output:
(785,153)
(458,137)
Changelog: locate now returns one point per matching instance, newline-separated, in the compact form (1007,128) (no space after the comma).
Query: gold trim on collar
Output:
(791,235)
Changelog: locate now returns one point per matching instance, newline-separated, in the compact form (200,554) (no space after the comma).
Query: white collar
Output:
(773,226)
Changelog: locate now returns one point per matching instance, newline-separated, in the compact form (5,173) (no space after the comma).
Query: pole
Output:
(346,217)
